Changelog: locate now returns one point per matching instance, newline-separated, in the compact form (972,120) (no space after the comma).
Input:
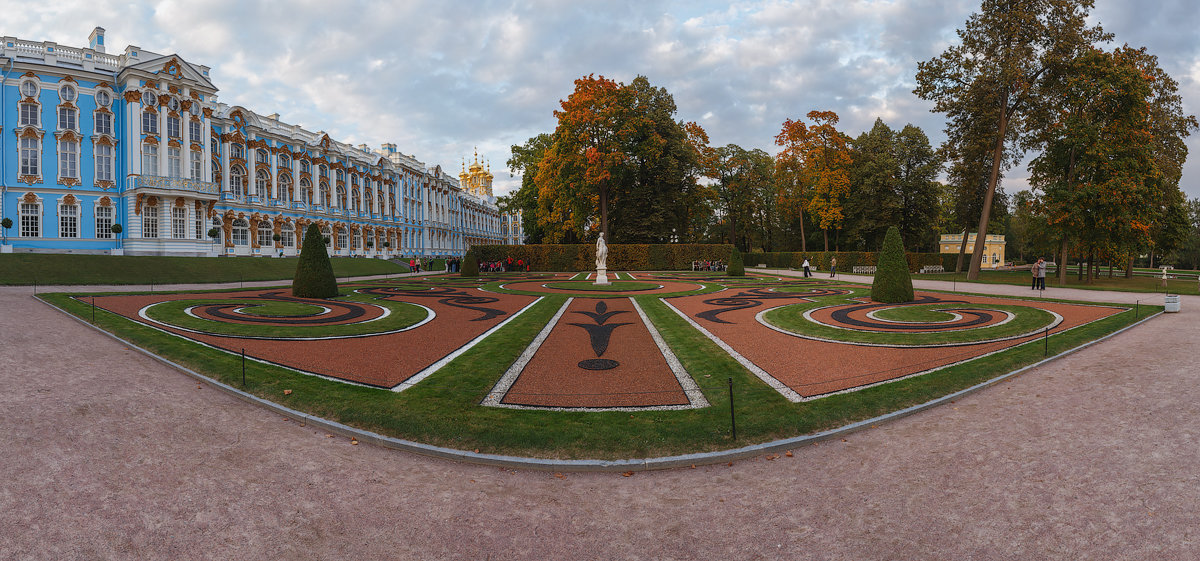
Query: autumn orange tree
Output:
(814,169)
(617,155)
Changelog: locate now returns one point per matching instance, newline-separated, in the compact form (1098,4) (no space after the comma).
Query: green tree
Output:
(995,73)
(314,274)
(892,283)
(814,165)
(524,161)
(617,154)
(743,178)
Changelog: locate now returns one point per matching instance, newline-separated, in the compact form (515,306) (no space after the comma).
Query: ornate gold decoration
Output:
(104,201)
(173,68)
(211,212)
(227,226)
(207,112)
(137,205)
(186,105)
(180,202)
(152,201)
(105,184)
(30,179)
(174,143)
(29,198)
(150,140)
(132,96)
(69,200)
(69,181)
(29,74)
(68,79)
(173,89)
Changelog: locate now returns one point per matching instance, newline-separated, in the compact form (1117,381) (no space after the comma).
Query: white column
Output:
(274,160)
(205,135)
(225,166)
(251,167)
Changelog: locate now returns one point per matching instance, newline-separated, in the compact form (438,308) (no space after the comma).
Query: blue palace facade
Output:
(92,141)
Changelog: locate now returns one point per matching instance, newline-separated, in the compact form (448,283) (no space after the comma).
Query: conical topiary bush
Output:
(314,274)
(892,282)
(470,266)
(736,268)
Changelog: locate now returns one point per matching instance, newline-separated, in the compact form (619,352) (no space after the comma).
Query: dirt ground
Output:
(107,454)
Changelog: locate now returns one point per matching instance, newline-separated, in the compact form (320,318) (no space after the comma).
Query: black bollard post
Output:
(1137,305)
(93,310)
(243,368)
(732,418)
(1046,339)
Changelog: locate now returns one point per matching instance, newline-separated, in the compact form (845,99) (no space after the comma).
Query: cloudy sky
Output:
(440,77)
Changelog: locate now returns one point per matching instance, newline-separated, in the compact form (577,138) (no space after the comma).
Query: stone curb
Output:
(642,464)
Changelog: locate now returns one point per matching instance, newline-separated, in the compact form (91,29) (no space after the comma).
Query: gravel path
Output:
(106,454)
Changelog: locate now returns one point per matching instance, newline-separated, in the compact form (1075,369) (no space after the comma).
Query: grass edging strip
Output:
(618,465)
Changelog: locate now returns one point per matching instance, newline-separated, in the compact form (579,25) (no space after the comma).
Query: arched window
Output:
(285,188)
(241,232)
(368,201)
(287,234)
(341,197)
(323,194)
(236,151)
(354,198)
(265,234)
(237,181)
(262,183)
(285,161)
(343,239)
(305,191)
(261,156)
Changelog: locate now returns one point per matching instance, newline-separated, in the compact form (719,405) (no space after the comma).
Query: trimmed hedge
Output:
(621,257)
(892,283)
(736,268)
(470,266)
(314,274)
(846,259)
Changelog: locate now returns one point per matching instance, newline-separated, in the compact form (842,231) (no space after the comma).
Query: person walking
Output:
(832,267)
(805,266)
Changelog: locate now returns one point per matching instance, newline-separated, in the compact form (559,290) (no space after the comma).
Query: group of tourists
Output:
(808,267)
(717,265)
(502,266)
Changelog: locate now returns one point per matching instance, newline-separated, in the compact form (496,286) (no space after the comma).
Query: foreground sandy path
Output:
(107,454)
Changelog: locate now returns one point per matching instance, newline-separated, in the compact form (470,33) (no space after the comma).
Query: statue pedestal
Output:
(601,276)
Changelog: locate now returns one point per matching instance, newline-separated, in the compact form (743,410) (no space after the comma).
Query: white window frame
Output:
(68,159)
(30,88)
(174,129)
(68,118)
(103,98)
(241,232)
(149,159)
(68,221)
(149,122)
(174,162)
(104,162)
(178,222)
(30,219)
(262,183)
(265,241)
(29,156)
(237,181)
(201,231)
(288,234)
(105,118)
(150,221)
(30,114)
(104,222)
(197,165)
(67,93)
(194,131)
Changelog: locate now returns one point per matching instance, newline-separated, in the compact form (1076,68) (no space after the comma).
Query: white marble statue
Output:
(601,253)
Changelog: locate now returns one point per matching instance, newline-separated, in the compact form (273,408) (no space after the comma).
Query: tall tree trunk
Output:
(1062,264)
(1091,269)
(986,215)
(803,239)
(604,212)
(826,234)
(1129,267)
(1152,256)
(962,250)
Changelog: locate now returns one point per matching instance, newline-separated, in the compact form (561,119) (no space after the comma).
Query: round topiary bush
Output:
(892,282)
(736,268)
(470,266)
(314,274)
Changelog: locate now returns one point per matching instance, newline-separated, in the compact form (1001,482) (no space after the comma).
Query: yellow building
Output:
(993,247)
(476,180)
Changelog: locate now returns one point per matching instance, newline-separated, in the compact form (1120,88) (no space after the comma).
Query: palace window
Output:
(31,220)
(194,131)
(323,194)
(261,156)
(29,115)
(341,197)
(149,159)
(343,238)
(354,200)
(262,183)
(150,221)
(197,164)
(285,162)
(199,220)
(173,127)
(149,99)
(288,235)
(29,88)
(68,159)
(67,118)
(368,202)
(103,98)
(68,221)
(265,234)
(103,122)
(305,191)
(178,222)
(104,222)
(241,232)
(236,151)
(285,188)
(67,93)
(237,181)
(30,156)
(149,122)
(174,162)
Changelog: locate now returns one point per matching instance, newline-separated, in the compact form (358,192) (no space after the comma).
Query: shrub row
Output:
(846,259)
(621,257)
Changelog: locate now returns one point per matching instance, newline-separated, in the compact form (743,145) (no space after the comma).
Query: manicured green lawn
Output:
(444,409)
(1117,283)
(614,286)
(64,269)
(401,316)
